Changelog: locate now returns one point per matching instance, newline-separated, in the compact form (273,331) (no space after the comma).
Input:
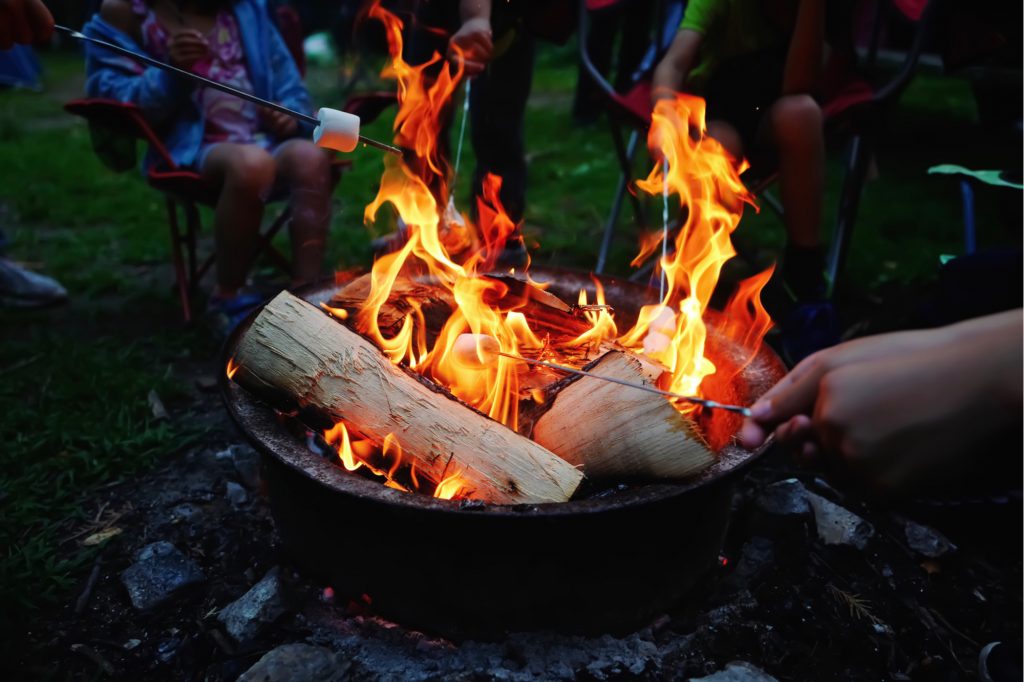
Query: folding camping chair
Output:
(856,106)
(185,190)
(628,110)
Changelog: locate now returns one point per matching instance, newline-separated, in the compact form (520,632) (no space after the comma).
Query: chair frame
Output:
(178,185)
(859,153)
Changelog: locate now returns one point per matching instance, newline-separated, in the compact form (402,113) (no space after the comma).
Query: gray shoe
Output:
(21,288)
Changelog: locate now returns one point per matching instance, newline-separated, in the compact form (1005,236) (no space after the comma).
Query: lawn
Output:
(74,381)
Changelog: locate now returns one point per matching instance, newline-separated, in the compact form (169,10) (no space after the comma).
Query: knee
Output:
(309,166)
(796,121)
(250,171)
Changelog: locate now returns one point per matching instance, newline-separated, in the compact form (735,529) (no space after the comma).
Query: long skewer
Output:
(216,86)
(710,404)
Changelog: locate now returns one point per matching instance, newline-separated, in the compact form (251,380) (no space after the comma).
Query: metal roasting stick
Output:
(216,86)
(710,404)
(664,227)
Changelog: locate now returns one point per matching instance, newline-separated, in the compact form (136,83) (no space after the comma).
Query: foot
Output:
(225,314)
(21,288)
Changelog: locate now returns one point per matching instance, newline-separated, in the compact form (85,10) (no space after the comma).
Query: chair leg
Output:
(266,248)
(626,163)
(180,272)
(613,216)
(849,202)
(970,233)
(191,235)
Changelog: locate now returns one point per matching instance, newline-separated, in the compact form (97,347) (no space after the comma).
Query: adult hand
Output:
(898,409)
(473,45)
(279,124)
(24,22)
(186,48)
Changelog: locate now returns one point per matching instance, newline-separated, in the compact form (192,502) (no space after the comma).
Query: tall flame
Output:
(711,195)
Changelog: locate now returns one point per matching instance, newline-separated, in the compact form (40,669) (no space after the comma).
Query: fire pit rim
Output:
(252,416)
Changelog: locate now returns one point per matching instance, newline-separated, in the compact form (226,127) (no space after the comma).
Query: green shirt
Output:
(730,28)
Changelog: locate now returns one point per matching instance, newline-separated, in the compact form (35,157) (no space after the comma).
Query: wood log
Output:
(547,314)
(295,349)
(613,431)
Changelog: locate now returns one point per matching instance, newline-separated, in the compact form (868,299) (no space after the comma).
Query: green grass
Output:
(77,417)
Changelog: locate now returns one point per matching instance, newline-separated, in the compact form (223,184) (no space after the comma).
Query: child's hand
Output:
(280,125)
(897,409)
(473,43)
(186,48)
(24,21)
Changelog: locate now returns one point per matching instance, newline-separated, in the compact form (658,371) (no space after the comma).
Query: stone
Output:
(737,671)
(235,494)
(784,498)
(250,615)
(837,525)
(927,541)
(159,573)
(247,466)
(298,663)
(758,554)
(186,511)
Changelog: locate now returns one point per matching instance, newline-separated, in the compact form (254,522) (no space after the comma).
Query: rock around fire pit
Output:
(466,568)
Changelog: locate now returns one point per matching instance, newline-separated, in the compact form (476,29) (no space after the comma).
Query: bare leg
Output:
(795,127)
(245,174)
(305,169)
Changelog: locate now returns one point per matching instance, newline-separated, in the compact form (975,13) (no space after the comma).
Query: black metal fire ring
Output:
(668,533)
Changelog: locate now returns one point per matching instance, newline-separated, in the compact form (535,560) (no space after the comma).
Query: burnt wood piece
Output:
(613,431)
(547,314)
(295,349)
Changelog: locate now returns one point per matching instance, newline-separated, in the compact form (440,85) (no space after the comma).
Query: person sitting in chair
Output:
(757,63)
(244,151)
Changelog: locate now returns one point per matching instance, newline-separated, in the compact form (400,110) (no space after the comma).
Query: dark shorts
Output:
(742,89)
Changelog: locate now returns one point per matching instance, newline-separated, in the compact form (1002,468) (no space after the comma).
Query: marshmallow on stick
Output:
(338,130)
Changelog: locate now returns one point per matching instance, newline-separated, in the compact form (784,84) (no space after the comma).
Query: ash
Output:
(813,584)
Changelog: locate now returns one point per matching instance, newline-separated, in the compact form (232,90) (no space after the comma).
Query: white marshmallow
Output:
(475,350)
(338,130)
(664,321)
(656,342)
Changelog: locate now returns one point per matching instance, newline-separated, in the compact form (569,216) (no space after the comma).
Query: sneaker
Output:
(1000,662)
(21,288)
(808,328)
(225,314)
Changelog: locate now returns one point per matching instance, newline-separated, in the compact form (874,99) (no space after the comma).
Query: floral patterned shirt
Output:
(227,118)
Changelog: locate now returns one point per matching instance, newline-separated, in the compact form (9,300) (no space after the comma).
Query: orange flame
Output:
(451,486)
(457,254)
(232,368)
(746,320)
(711,195)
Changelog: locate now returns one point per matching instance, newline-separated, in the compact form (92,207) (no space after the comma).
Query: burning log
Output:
(294,349)
(546,313)
(616,432)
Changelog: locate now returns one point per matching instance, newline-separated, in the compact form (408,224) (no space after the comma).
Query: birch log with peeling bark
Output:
(614,431)
(295,349)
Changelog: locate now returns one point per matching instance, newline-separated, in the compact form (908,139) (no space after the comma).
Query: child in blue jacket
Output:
(244,150)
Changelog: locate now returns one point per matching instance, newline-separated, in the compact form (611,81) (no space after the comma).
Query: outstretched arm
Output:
(806,49)
(896,408)
(672,71)
(473,42)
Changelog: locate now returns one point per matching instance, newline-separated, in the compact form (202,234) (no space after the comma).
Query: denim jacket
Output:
(165,99)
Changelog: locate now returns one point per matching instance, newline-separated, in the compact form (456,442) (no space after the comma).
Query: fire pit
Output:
(604,563)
